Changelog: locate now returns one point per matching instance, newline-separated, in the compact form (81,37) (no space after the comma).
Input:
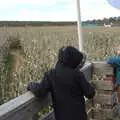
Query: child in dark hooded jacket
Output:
(67,85)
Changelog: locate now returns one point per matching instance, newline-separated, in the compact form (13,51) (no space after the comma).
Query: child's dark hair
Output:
(70,56)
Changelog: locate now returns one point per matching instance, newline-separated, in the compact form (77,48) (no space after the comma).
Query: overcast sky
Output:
(55,10)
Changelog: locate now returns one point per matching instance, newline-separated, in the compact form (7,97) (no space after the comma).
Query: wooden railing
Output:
(26,106)
(23,107)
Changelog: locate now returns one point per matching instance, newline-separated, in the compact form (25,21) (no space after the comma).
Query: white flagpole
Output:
(79,25)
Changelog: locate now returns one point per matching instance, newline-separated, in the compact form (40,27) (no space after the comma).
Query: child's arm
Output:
(42,88)
(87,88)
(113,60)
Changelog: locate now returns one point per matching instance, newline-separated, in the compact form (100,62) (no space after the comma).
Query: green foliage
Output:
(8,62)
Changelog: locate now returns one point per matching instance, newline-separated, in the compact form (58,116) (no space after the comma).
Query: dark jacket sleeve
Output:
(40,89)
(87,88)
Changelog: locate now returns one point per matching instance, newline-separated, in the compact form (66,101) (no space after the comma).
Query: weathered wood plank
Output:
(23,107)
(87,70)
(102,114)
(88,104)
(90,114)
(103,85)
(102,99)
(102,68)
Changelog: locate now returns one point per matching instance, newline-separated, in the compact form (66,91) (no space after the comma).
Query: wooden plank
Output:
(23,107)
(90,114)
(102,99)
(88,104)
(105,92)
(103,85)
(102,68)
(102,114)
(87,70)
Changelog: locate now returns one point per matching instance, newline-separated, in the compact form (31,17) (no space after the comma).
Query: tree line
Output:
(100,22)
(114,20)
(33,23)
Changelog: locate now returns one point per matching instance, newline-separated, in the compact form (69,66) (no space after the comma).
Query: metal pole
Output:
(79,25)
